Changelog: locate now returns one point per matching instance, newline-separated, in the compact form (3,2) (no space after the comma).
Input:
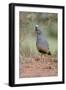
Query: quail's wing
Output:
(43,43)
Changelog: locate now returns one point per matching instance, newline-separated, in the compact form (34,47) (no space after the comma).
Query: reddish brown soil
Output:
(38,67)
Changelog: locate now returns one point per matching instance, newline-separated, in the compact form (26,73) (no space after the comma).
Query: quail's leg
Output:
(43,57)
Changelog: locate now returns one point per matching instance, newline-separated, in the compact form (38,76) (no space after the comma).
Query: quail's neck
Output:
(39,36)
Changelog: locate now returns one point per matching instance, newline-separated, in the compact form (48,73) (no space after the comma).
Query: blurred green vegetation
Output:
(48,23)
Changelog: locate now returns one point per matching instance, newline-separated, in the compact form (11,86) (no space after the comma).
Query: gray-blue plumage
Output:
(41,42)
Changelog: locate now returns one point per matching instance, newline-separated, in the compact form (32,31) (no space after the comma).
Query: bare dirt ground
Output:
(38,67)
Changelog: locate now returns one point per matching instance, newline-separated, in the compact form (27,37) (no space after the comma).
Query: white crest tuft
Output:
(37,26)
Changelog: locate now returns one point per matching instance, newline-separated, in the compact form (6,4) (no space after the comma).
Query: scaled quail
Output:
(41,42)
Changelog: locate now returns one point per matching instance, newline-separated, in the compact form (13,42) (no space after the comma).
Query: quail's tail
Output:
(49,53)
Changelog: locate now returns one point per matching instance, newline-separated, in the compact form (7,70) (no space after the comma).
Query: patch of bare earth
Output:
(38,67)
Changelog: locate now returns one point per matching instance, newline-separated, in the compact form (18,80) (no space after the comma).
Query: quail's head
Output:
(37,29)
